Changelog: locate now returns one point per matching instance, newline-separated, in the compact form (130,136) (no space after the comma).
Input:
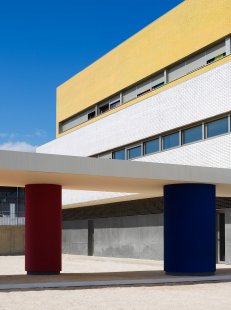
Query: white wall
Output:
(199,98)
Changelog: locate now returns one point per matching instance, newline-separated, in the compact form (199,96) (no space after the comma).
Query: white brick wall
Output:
(201,97)
(213,152)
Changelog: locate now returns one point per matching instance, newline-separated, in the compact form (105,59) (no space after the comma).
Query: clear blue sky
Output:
(43,43)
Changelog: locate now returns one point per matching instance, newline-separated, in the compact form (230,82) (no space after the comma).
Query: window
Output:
(143,88)
(216,58)
(91,115)
(158,80)
(216,52)
(217,127)
(196,62)
(134,152)
(192,134)
(105,155)
(170,141)
(104,108)
(114,101)
(120,154)
(143,93)
(129,94)
(177,72)
(151,146)
(73,121)
(188,135)
(115,104)
(158,85)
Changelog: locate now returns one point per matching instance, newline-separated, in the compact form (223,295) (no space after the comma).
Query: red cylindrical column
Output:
(43,229)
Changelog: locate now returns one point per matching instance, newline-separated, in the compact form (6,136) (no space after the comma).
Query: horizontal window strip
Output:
(204,130)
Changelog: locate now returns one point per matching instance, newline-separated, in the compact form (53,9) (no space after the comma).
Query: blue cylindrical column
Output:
(189,228)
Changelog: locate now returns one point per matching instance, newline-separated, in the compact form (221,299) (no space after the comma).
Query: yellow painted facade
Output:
(189,27)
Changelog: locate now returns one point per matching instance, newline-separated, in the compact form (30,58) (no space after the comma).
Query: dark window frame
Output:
(167,135)
(217,120)
(116,103)
(158,85)
(122,149)
(134,147)
(91,115)
(213,59)
(143,92)
(144,146)
(189,128)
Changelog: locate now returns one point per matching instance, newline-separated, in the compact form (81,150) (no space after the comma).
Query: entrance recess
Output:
(189,228)
(90,237)
(220,236)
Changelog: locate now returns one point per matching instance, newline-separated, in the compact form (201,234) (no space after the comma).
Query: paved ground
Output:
(83,264)
(197,296)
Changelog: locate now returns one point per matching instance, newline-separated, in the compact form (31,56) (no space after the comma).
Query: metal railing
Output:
(7,218)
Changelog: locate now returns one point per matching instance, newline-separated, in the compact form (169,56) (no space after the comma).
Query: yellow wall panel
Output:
(189,27)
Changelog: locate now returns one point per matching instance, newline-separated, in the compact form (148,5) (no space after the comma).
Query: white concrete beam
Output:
(72,172)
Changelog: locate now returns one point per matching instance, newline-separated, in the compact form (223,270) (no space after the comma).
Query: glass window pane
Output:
(192,134)
(11,204)
(170,140)
(217,127)
(119,154)
(158,85)
(216,58)
(151,146)
(103,108)
(115,104)
(91,115)
(134,152)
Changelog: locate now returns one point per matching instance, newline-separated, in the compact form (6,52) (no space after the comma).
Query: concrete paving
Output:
(153,275)
(211,295)
(50,283)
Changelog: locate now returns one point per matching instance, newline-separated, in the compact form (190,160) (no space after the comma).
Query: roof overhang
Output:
(83,173)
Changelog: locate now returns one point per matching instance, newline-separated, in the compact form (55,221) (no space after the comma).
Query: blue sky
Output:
(43,43)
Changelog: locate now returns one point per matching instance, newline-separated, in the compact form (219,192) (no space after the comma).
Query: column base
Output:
(42,273)
(191,274)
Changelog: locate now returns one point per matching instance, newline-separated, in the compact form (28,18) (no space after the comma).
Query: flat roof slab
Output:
(84,173)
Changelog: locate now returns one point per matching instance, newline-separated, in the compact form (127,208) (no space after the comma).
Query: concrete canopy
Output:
(82,173)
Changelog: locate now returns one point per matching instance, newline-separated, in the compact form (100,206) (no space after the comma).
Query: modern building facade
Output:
(162,96)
